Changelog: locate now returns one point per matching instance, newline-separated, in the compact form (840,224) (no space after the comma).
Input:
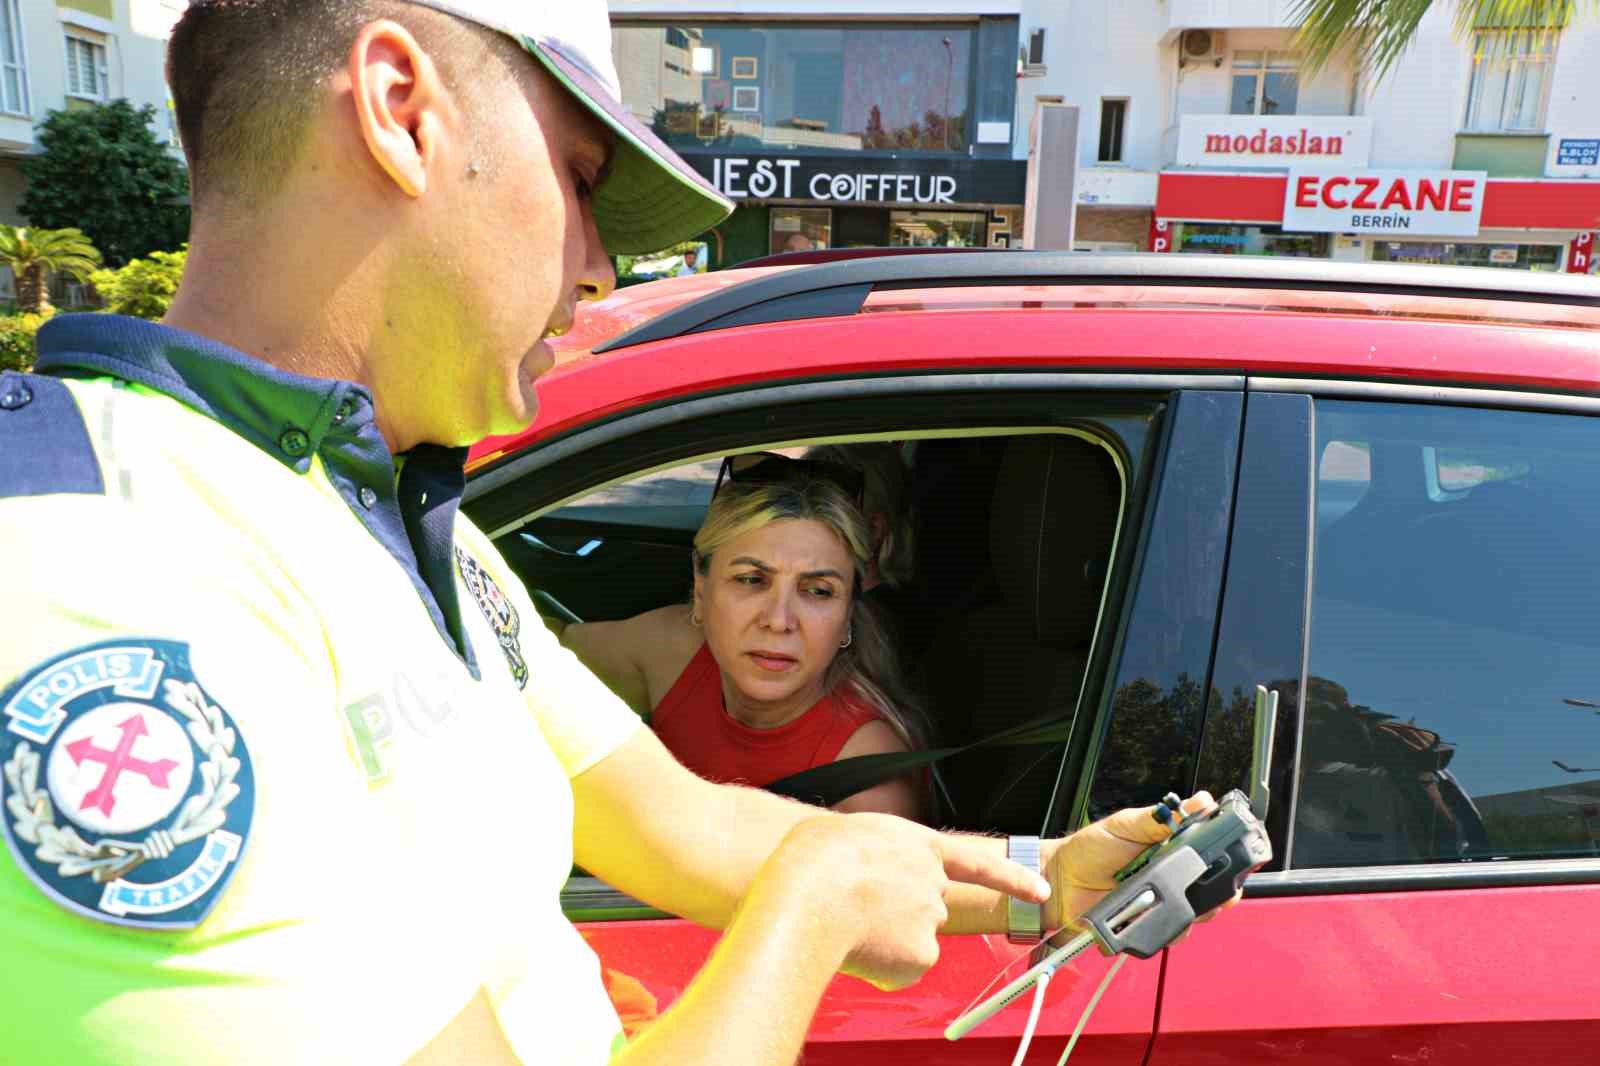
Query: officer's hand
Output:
(1083,866)
(882,880)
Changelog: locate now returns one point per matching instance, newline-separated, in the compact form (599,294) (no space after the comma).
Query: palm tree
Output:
(34,254)
(1379,31)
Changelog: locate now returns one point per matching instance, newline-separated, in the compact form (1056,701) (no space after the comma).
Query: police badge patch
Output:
(127,792)
(499,611)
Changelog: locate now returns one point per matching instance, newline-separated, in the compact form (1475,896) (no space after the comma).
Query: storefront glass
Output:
(1223,238)
(938,229)
(800,229)
(1459,253)
(746,85)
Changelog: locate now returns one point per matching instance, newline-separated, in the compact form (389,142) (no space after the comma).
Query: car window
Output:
(993,626)
(1452,704)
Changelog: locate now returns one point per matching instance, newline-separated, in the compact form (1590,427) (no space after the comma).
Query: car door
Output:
(1178,445)
(1416,579)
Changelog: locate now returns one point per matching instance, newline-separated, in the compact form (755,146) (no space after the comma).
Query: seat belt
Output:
(834,782)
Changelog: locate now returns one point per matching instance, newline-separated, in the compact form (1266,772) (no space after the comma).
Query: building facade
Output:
(835,124)
(1200,132)
(57,54)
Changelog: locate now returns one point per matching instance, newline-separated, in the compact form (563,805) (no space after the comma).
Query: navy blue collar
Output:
(292,418)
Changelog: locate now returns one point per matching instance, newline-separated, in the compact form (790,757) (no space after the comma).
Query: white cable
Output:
(1033,1014)
(1094,1001)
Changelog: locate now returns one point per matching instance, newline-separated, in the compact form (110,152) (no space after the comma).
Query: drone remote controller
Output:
(1195,871)
(1167,886)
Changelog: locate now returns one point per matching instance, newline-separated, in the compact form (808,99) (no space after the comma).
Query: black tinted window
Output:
(1453,701)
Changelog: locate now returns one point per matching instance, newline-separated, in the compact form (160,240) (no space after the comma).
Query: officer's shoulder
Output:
(45,448)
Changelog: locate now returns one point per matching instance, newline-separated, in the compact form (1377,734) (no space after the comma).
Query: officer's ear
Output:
(400,103)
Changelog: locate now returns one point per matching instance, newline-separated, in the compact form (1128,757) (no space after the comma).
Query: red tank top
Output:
(694,725)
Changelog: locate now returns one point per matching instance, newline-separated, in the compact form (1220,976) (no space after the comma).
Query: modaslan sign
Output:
(1274,140)
(1445,203)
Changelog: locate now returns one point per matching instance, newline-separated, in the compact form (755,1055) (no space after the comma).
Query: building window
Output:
(937,229)
(842,87)
(1113,120)
(13,71)
(86,68)
(1227,238)
(1536,257)
(1265,83)
(1510,75)
(799,229)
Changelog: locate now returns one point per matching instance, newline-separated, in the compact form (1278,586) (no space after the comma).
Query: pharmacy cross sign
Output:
(103,796)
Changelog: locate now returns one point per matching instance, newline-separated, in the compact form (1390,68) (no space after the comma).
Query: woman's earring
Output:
(694,618)
(849,637)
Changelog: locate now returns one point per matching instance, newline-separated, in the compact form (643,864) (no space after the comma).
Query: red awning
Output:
(1508,203)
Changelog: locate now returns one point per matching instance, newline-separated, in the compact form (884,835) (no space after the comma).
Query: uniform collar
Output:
(286,415)
(292,418)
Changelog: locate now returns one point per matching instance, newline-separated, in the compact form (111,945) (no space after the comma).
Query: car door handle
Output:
(585,550)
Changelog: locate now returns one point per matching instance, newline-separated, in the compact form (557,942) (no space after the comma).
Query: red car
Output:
(1145,485)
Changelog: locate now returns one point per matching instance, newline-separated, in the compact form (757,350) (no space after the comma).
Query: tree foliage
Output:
(34,254)
(1380,31)
(102,170)
(17,340)
(144,287)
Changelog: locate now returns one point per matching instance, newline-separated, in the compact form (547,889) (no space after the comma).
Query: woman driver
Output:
(777,665)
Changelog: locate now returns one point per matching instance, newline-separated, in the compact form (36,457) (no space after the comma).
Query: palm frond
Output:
(1378,32)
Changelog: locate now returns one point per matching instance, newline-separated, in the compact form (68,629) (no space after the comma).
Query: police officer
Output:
(290,770)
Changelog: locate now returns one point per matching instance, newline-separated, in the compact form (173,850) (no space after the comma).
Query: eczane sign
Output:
(1443,203)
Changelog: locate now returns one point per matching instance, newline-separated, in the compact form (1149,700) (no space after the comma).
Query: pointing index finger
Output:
(975,861)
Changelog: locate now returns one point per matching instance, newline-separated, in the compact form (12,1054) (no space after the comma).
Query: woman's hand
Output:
(1082,867)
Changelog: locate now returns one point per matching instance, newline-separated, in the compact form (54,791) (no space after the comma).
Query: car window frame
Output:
(1444,874)
(657,437)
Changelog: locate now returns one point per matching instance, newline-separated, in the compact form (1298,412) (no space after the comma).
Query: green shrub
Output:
(16,340)
(144,287)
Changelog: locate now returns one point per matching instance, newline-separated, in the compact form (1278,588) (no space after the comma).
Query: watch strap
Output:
(1024,920)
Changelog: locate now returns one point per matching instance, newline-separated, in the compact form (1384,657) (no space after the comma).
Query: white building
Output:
(1199,132)
(57,54)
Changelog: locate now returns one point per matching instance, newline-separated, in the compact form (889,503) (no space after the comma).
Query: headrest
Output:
(1050,532)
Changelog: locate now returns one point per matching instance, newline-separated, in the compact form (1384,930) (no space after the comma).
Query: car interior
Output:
(1014,532)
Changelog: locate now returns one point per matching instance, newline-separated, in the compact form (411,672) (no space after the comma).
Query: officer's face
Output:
(508,251)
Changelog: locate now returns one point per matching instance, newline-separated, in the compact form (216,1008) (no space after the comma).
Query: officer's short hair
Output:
(245,73)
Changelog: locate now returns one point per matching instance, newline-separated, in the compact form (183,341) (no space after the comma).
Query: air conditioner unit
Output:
(1201,46)
(1030,60)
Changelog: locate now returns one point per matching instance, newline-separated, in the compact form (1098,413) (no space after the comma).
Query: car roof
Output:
(1227,314)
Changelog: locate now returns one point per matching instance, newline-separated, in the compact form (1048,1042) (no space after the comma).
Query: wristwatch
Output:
(1024,921)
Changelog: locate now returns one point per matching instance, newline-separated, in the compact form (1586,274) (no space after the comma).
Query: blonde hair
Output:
(870,664)
(884,477)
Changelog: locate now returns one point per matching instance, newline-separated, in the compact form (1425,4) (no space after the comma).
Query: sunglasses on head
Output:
(770,468)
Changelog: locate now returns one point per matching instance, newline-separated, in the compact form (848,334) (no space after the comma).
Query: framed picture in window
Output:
(744,67)
(718,94)
(709,126)
(747,98)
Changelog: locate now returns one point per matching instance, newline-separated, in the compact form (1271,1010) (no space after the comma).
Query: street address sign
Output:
(1444,203)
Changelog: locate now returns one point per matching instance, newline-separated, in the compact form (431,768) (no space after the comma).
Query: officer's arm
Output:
(653,829)
(750,1004)
(648,826)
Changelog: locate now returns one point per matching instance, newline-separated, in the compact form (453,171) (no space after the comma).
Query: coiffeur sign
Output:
(840,178)
(1445,203)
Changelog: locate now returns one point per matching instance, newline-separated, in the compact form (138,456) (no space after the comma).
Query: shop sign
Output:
(840,178)
(1580,254)
(1160,235)
(1444,203)
(1274,140)
(1571,152)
